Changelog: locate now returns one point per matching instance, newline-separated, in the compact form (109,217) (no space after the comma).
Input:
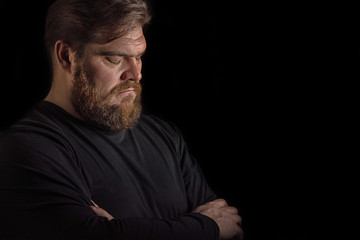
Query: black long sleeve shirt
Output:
(52,165)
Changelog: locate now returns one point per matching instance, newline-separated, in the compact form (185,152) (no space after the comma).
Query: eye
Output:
(138,59)
(114,59)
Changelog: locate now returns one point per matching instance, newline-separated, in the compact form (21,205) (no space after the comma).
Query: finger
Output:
(237,219)
(231,210)
(95,210)
(94,204)
(241,234)
(101,212)
(218,203)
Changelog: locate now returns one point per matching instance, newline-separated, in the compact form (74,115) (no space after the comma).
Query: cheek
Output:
(104,78)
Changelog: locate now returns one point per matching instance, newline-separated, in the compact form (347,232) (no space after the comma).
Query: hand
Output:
(100,212)
(225,216)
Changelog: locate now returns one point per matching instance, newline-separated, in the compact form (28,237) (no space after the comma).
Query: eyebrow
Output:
(120,54)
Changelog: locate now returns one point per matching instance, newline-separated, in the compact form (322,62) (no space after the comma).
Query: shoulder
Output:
(35,135)
(40,120)
(40,144)
(34,128)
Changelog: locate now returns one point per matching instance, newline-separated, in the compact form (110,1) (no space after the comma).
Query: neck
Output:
(62,98)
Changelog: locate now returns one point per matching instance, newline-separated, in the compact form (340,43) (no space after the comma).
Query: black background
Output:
(247,85)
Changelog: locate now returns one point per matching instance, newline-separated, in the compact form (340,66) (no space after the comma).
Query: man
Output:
(87,143)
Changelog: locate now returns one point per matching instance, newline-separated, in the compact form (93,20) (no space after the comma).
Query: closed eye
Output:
(138,58)
(114,59)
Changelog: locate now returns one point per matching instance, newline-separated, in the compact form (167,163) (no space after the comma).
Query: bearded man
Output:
(87,143)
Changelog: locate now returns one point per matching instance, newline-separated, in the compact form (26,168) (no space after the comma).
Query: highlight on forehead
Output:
(132,44)
(120,53)
(104,35)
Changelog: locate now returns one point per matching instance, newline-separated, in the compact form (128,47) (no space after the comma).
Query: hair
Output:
(80,22)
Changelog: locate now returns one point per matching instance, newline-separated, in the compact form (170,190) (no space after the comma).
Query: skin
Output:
(110,64)
(226,217)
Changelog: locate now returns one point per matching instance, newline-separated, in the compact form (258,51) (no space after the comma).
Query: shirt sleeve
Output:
(44,195)
(197,189)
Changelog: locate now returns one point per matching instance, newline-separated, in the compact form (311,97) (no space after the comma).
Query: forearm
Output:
(80,223)
(192,226)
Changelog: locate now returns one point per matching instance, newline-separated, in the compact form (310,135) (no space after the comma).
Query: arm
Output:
(44,196)
(226,217)
(201,198)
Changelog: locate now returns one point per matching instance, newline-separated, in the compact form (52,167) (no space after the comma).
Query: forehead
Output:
(132,43)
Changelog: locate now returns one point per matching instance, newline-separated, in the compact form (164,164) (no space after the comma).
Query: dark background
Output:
(247,84)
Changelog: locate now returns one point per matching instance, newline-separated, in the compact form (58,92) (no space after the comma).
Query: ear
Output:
(64,55)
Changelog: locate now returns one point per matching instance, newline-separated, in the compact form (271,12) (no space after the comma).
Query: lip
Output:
(127,90)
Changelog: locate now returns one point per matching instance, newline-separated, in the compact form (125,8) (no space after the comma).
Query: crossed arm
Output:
(44,186)
(226,217)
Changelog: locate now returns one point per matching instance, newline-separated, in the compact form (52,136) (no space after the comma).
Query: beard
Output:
(102,111)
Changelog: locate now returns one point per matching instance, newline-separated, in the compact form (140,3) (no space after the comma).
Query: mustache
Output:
(125,85)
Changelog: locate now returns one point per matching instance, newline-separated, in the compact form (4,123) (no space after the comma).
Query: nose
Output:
(132,71)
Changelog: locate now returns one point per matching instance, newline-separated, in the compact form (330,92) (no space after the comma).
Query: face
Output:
(106,82)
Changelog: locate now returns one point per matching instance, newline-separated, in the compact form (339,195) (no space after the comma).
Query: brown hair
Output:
(79,22)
